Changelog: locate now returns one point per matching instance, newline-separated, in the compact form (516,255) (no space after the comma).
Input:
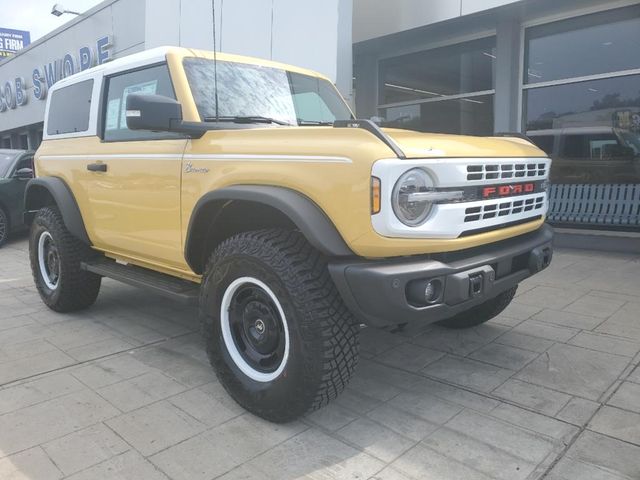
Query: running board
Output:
(160,283)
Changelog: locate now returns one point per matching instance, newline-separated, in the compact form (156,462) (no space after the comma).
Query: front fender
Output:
(308,217)
(43,191)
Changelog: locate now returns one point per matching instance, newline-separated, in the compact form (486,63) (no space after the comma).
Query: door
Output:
(133,179)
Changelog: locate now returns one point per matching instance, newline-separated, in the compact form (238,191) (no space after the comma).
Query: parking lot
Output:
(549,389)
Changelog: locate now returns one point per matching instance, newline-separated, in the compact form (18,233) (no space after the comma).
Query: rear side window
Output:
(69,109)
(149,81)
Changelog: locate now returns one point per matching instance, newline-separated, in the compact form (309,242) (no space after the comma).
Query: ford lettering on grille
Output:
(508,190)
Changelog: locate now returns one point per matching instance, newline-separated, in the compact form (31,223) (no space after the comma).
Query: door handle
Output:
(97,167)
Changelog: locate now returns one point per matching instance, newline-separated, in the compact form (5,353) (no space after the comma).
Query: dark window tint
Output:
(149,81)
(253,90)
(463,68)
(69,109)
(584,46)
(599,127)
(595,146)
(543,142)
(469,116)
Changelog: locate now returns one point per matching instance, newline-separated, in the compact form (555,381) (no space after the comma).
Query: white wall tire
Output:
(292,280)
(48,261)
(231,342)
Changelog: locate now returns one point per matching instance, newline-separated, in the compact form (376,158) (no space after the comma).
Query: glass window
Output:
(69,109)
(598,126)
(6,160)
(584,46)
(543,142)
(463,68)
(469,116)
(149,81)
(246,90)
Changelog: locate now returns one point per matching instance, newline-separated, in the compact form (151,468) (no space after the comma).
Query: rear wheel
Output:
(4,227)
(278,334)
(481,313)
(55,257)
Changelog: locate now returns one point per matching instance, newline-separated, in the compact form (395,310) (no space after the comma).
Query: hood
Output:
(425,145)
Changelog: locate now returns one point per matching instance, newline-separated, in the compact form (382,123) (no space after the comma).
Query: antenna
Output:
(215,58)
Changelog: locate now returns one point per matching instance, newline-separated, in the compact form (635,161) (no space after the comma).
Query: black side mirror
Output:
(24,174)
(160,114)
(152,112)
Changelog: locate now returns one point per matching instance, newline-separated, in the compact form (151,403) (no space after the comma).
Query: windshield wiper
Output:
(246,119)
(314,122)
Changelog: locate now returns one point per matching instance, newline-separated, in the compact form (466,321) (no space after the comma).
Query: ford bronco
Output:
(249,187)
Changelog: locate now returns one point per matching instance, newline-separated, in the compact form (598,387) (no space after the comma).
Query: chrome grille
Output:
(506,170)
(503,208)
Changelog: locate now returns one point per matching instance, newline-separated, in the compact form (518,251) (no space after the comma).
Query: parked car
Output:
(591,154)
(16,168)
(247,186)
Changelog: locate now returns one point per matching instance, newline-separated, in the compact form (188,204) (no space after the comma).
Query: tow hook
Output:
(540,258)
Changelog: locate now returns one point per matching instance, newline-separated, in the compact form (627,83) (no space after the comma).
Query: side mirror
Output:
(152,112)
(23,174)
(159,114)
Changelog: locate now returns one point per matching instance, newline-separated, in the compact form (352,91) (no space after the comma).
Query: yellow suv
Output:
(249,187)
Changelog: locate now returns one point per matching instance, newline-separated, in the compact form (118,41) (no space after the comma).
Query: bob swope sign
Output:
(15,92)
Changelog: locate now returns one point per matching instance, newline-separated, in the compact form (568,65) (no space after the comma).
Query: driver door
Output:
(133,179)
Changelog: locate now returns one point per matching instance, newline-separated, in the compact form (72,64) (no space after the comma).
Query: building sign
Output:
(14,92)
(12,40)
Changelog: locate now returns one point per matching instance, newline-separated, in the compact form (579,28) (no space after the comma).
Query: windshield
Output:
(6,160)
(632,140)
(271,93)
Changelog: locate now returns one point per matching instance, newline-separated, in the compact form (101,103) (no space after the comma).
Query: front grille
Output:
(506,170)
(503,208)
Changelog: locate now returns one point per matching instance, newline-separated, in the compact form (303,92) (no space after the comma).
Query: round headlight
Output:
(411,213)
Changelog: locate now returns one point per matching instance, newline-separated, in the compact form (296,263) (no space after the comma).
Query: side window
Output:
(149,81)
(593,146)
(69,109)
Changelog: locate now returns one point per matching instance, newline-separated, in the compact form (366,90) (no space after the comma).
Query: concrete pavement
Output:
(549,389)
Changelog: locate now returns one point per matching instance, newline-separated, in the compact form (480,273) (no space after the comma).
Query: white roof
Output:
(146,57)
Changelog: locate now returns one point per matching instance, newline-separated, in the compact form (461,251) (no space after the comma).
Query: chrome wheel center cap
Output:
(260,327)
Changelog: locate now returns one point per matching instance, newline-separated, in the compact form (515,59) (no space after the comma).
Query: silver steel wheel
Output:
(48,261)
(254,329)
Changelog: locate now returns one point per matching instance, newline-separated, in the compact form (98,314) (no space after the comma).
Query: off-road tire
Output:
(77,289)
(323,335)
(4,227)
(481,313)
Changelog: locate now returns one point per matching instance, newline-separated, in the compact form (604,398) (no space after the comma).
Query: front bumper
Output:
(383,292)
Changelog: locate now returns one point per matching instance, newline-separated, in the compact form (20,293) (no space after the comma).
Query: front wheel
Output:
(56,256)
(481,313)
(278,335)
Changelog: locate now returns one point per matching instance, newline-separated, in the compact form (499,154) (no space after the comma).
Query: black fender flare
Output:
(305,214)
(64,199)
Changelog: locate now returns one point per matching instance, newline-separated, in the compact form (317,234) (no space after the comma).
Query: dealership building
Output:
(564,72)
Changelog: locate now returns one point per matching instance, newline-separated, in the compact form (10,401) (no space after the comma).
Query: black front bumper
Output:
(383,292)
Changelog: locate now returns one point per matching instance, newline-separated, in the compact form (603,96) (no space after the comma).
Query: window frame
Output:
(102,111)
(600,15)
(87,131)
(435,46)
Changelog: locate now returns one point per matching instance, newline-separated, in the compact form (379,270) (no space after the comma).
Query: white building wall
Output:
(118,19)
(308,33)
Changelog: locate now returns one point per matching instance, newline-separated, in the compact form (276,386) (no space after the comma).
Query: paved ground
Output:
(550,389)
